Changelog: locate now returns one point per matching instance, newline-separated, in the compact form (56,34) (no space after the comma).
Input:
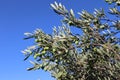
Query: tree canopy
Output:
(92,55)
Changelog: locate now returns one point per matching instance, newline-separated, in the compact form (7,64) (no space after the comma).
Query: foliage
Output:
(93,55)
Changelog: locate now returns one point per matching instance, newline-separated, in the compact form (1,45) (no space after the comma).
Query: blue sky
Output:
(20,16)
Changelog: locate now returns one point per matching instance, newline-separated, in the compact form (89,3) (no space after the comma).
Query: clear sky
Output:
(20,16)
